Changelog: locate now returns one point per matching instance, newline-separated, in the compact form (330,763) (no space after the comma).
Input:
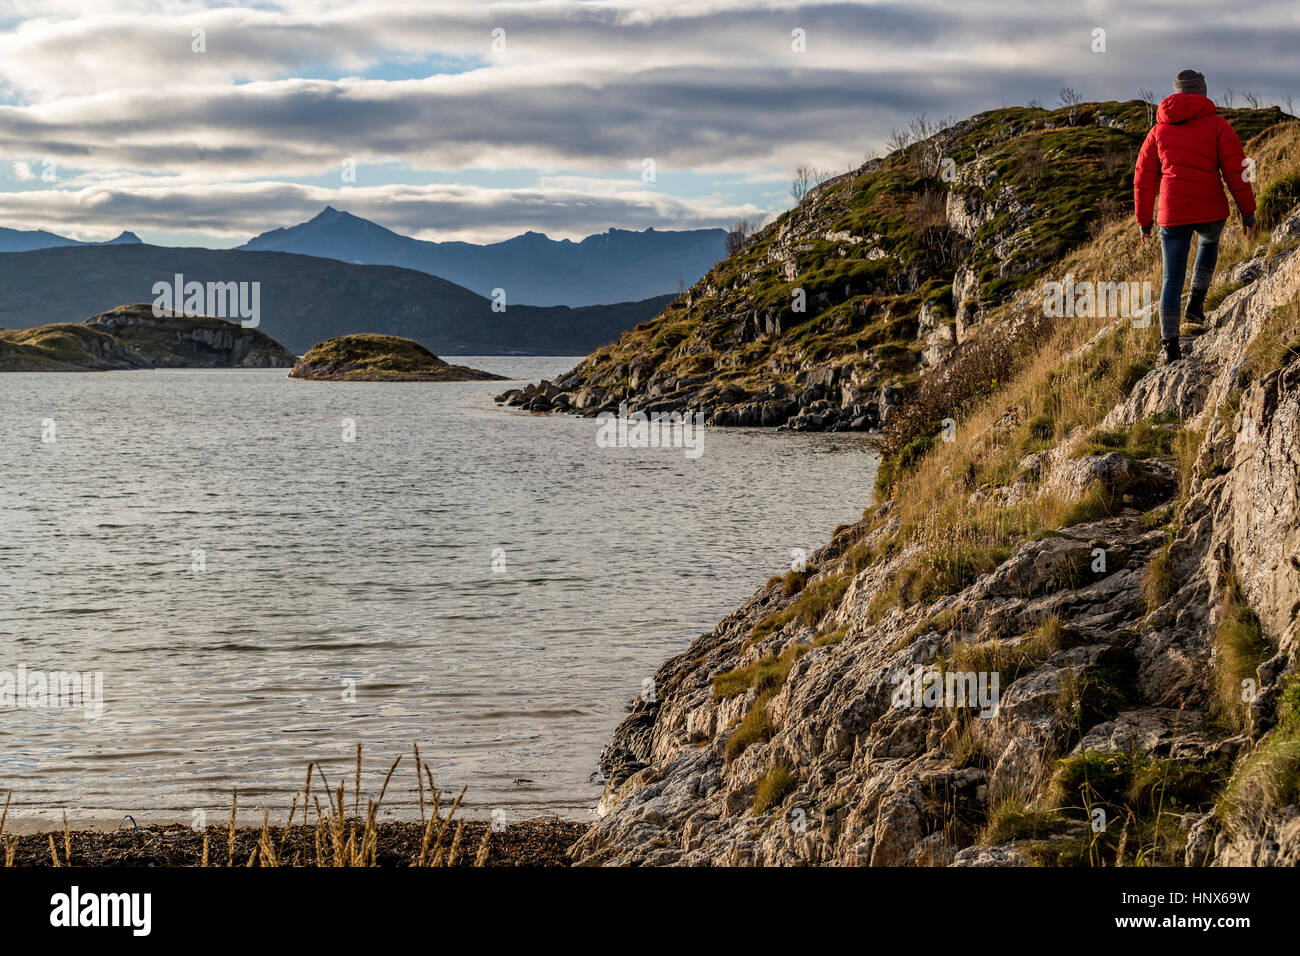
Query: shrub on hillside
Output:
(1278,198)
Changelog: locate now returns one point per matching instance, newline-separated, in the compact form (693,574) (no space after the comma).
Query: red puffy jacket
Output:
(1184,153)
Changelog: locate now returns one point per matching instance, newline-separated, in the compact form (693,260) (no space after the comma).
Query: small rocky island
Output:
(132,337)
(380,358)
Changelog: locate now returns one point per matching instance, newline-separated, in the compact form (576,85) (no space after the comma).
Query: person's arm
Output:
(1232,164)
(1146,182)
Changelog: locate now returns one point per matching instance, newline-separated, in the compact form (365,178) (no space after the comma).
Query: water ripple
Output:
(259,593)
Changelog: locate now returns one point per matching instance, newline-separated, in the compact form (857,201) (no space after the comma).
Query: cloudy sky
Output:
(203,123)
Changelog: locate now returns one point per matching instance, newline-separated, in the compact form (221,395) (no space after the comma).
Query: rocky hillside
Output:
(132,337)
(1067,634)
(380,358)
(830,316)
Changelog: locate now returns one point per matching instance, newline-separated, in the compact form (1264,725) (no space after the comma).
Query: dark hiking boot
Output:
(1173,353)
(1196,307)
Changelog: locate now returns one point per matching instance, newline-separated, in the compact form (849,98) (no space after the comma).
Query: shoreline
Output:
(539,842)
(23,822)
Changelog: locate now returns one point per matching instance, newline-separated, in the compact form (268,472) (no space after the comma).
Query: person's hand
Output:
(1145,234)
(1250,232)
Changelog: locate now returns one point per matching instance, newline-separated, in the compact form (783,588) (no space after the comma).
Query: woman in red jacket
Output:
(1183,157)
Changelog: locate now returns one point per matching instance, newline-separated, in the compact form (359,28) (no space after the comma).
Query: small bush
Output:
(824,596)
(793,582)
(1013,819)
(772,623)
(1272,347)
(1042,427)
(1143,799)
(1278,198)
(1269,777)
(765,675)
(1239,648)
(1088,778)
(755,727)
(1158,583)
(1215,297)
(778,783)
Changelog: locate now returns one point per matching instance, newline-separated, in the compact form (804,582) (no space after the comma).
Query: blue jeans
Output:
(1175,244)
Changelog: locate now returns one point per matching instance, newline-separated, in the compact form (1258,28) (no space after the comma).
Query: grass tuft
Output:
(1239,648)
(778,783)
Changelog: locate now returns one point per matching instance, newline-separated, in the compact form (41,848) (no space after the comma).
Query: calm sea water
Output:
(259,593)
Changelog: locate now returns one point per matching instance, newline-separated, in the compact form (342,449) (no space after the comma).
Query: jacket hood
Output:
(1181,107)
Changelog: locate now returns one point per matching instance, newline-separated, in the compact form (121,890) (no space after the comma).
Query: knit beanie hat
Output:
(1189,81)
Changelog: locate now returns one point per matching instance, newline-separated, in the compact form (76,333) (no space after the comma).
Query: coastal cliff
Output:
(132,337)
(1066,633)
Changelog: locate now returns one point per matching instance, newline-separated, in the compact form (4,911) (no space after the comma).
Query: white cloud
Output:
(111,91)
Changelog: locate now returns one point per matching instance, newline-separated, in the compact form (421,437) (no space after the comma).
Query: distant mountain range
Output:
(614,266)
(16,240)
(305,300)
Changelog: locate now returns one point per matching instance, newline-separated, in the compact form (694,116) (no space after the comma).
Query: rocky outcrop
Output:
(873,280)
(133,337)
(774,739)
(380,358)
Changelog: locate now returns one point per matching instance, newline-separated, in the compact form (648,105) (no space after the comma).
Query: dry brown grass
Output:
(1240,646)
(1010,659)
(343,841)
(1268,780)
(1060,382)
(335,838)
